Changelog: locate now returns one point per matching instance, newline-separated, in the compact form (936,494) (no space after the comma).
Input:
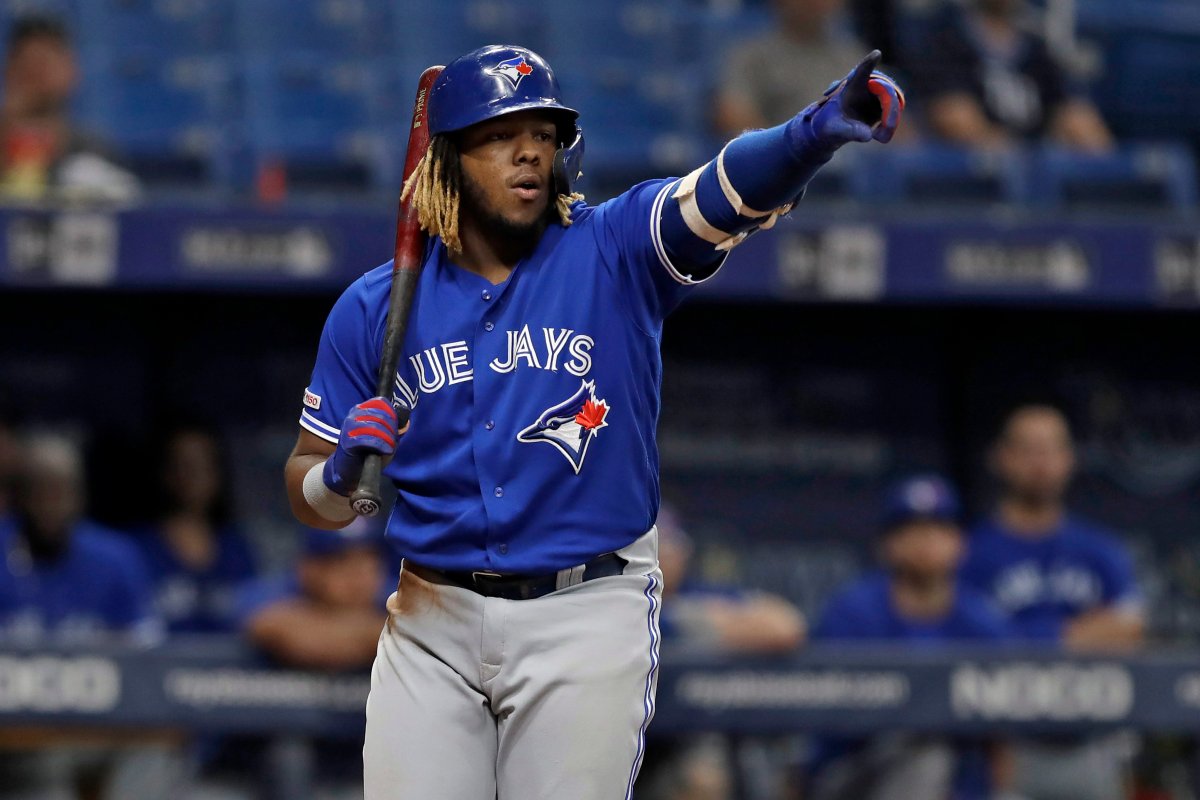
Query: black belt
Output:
(526,587)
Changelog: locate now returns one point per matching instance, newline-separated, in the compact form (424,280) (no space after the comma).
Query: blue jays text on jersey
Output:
(534,402)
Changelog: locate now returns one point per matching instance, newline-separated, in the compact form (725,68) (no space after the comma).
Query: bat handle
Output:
(367,499)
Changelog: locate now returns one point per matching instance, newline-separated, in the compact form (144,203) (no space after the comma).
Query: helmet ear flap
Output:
(568,164)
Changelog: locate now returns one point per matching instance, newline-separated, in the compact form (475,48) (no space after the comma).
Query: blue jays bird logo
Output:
(570,425)
(513,70)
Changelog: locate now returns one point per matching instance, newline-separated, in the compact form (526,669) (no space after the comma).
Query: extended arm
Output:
(302,634)
(761,174)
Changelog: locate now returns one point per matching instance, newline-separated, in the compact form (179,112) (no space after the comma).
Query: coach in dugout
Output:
(1060,579)
(915,599)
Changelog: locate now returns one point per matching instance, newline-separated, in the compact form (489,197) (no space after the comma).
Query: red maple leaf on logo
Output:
(524,68)
(593,414)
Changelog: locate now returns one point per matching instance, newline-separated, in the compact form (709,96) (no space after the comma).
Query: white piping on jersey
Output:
(314,425)
(656,238)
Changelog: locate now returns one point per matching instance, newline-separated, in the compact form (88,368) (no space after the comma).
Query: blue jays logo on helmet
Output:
(570,426)
(513,70)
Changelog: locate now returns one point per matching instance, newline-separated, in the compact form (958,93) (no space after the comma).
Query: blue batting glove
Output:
(370,427)
(865,105)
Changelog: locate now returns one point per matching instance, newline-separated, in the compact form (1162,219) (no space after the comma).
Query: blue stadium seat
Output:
(169,116)
(177,27)
(1153,176)
(436,33)
(347,28)
(317,115)
(939,174)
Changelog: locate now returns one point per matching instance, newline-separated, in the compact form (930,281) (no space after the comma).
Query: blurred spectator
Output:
(65,579)
(1060,579)
(9,457)
(1058,576)
(197,557)
(719,617)
(916,599)
(713,617)
(769,79)
(63,576)
(988,81)
(40,148)
(329,612)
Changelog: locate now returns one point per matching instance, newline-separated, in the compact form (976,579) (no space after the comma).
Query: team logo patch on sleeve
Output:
(513,70)
(312,400)
(570,425)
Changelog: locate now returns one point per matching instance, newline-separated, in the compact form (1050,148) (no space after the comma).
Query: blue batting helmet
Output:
(501,79)
(491,81)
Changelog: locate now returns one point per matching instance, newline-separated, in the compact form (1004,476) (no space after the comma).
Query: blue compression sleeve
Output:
(767,168)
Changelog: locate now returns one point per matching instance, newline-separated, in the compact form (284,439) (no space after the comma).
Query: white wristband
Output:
(323,500)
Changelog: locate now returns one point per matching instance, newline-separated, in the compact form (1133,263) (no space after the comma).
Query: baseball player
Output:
(521,650)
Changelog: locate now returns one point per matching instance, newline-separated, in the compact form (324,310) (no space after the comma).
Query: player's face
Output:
(927,548)
(52,500)
(506,164)
(1035,458)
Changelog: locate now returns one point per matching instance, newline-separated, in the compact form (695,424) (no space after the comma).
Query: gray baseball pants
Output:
(481,698)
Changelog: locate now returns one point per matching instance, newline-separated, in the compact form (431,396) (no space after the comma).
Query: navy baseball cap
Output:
(920,497)
(359,533)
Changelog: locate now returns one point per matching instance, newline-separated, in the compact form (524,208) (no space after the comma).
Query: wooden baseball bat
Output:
(410,252)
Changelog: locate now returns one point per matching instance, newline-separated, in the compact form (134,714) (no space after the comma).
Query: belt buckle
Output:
(479,573)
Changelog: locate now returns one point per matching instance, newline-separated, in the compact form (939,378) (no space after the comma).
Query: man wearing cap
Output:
(914,598)
(327,613)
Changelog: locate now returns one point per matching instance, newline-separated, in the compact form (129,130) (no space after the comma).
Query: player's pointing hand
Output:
(370,427)
(864,105)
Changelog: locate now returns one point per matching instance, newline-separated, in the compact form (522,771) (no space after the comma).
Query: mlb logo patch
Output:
(311,400)
(513,70)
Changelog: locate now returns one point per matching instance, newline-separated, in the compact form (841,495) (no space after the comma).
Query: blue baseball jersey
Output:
(197,600)
(1044,582)
(864,610)
(99,586)
(534,401)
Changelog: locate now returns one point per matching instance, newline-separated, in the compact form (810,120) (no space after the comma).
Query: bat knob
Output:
(364,504)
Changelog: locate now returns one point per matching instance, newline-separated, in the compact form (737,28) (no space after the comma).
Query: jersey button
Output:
(491,423)
(503,549)
(487,326)
(499,491)
(486,295)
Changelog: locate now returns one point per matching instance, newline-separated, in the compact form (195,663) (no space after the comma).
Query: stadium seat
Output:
(344,28)
(176,27)
(939,174)
(1148,176)
(168,116)
(317,115)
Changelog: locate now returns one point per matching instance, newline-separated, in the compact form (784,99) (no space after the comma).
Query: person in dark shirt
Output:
(1062,580)
(197,556)
(915,598)
(988,81)
(42,152)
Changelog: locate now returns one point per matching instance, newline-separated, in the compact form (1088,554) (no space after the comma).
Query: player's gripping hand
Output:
(370,427)
(864,105)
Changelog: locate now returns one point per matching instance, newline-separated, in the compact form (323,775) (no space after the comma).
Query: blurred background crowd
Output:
(921,475)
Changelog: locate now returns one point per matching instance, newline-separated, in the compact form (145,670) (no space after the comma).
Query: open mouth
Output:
(527,188)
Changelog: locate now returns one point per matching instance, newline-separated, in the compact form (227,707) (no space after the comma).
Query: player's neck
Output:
(922,597)
(1032,519)
(490,256)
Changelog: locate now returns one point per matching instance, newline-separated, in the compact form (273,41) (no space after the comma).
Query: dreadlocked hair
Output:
(434,187)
